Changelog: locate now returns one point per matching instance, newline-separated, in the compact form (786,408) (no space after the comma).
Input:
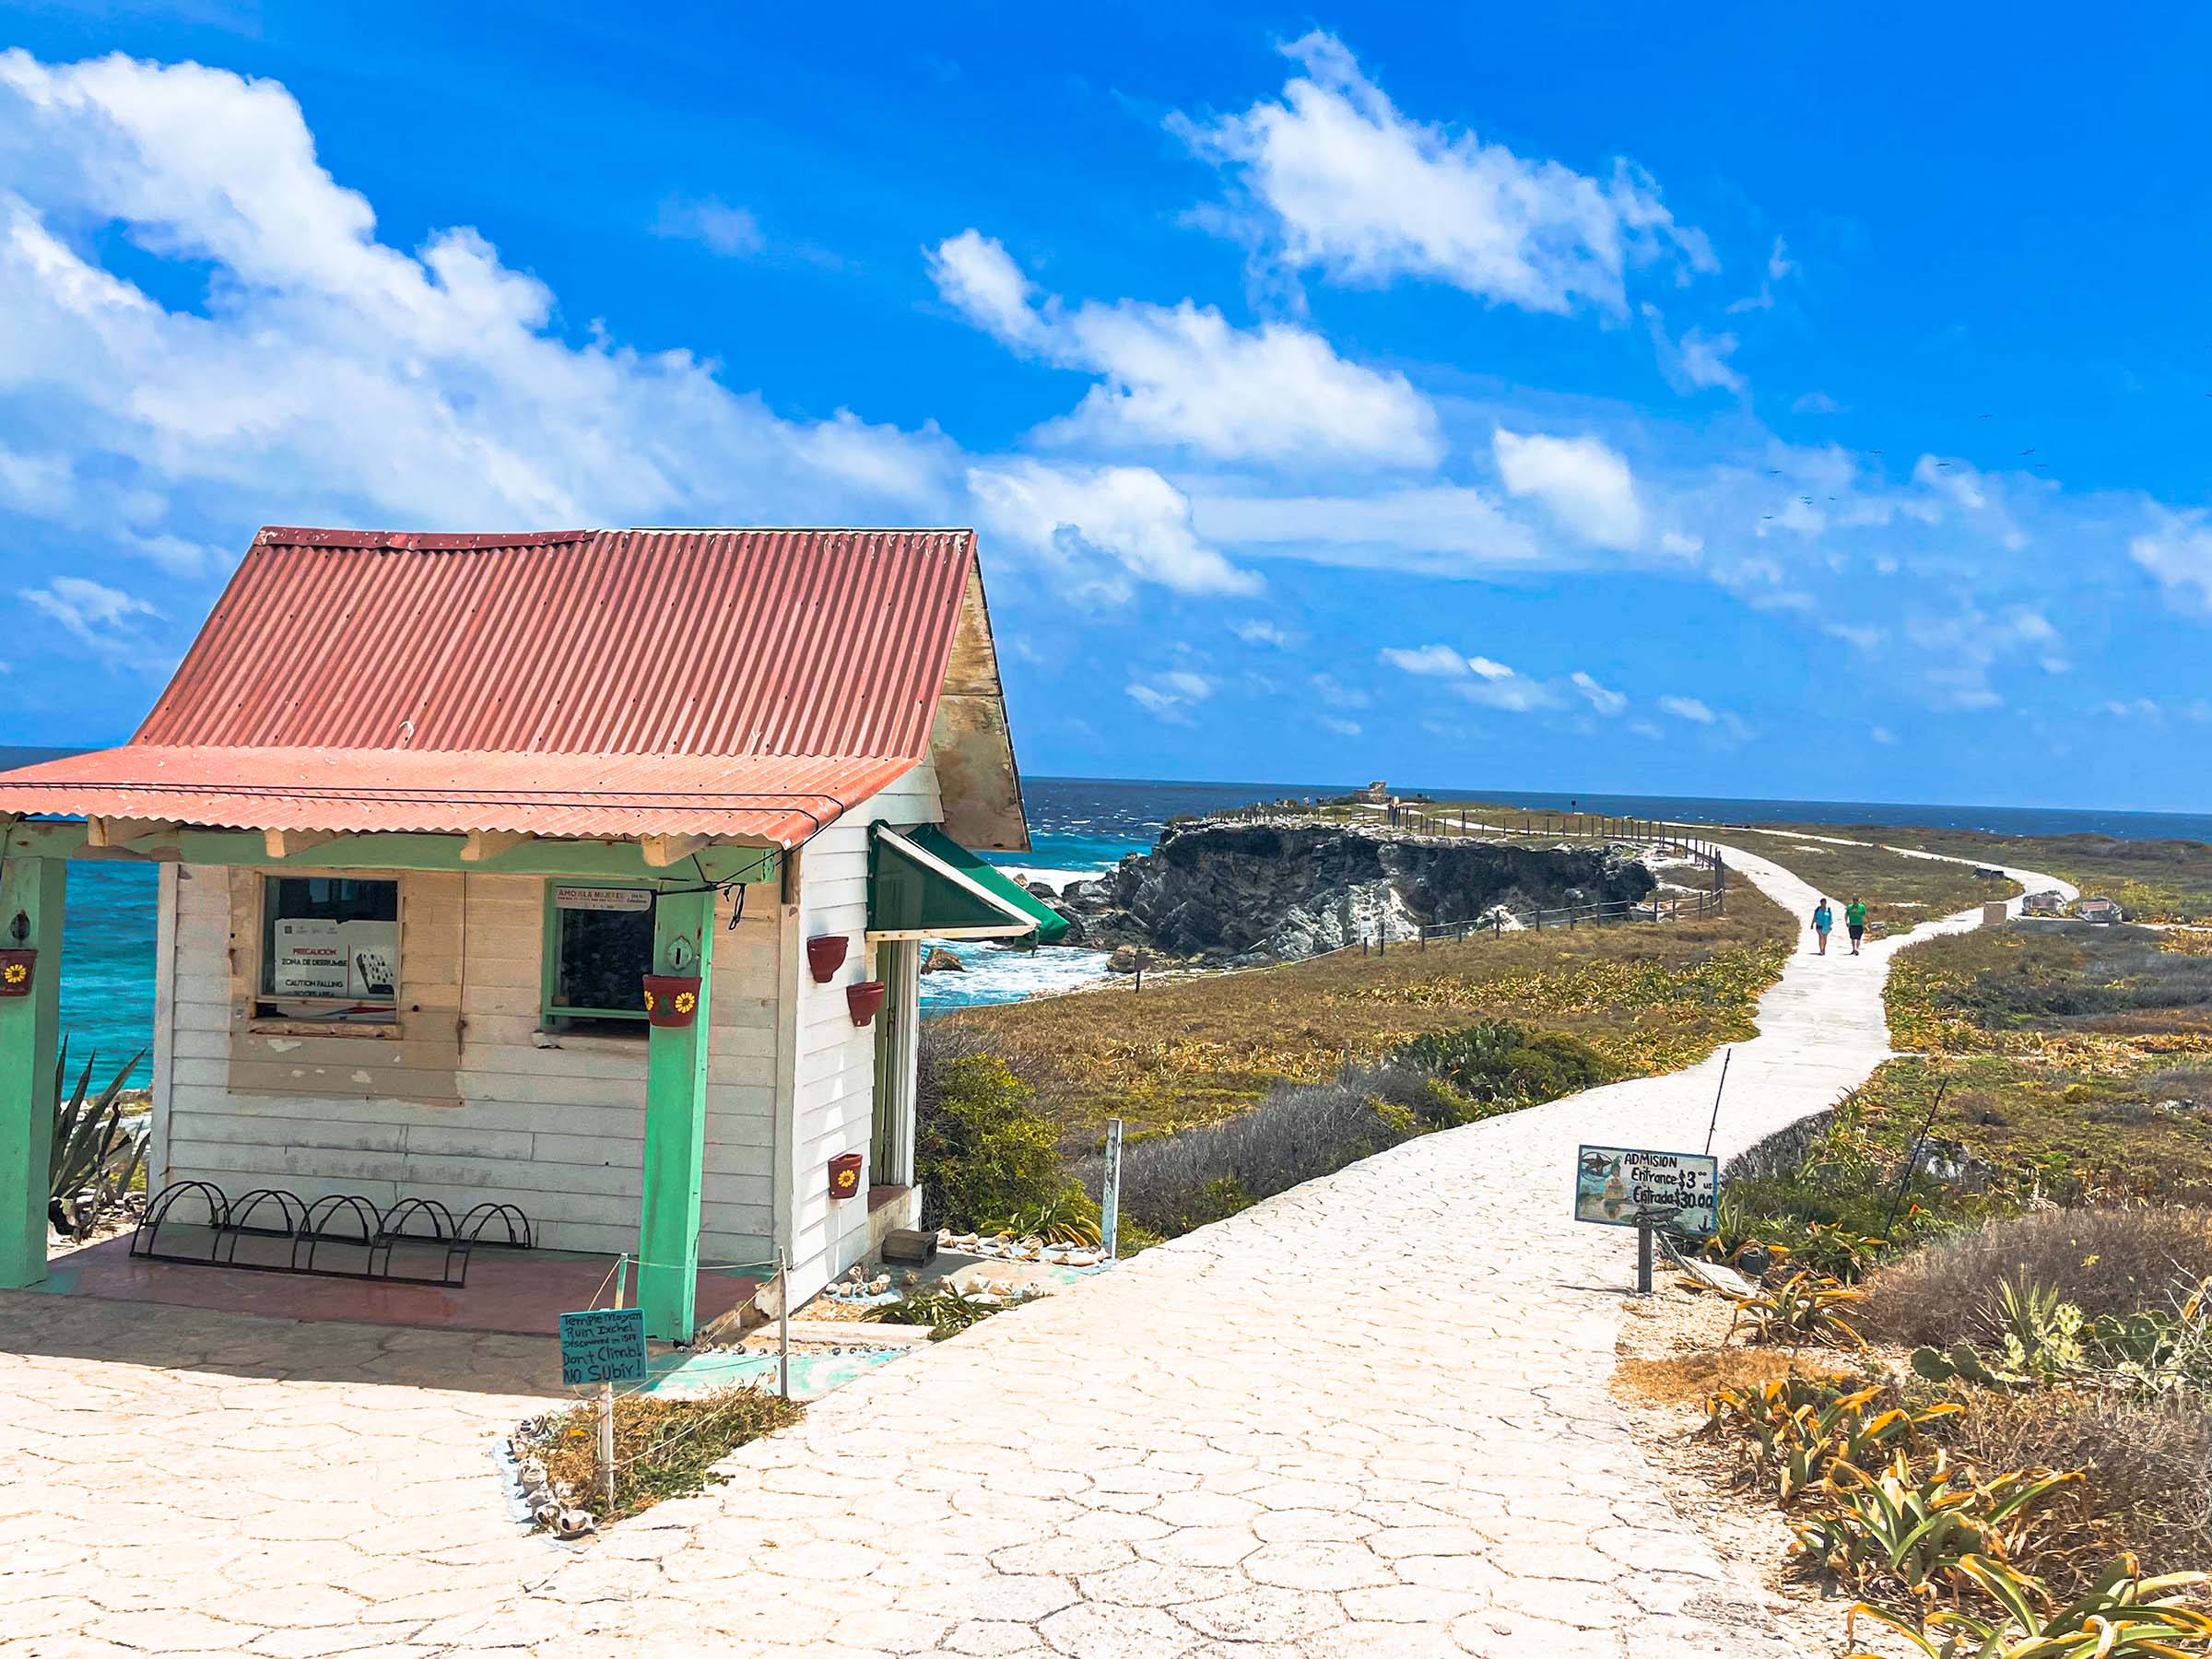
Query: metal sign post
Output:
(603,1347)
(1110,1193)
(606,1417)
(783,1324)
(1644,1257)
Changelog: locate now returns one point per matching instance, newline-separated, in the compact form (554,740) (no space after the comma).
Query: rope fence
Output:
(1464,823)
(776,1272)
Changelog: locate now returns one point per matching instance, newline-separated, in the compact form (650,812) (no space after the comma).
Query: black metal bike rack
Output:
(336,1224)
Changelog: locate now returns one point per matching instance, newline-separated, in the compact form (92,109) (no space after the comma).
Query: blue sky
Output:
(1776,403)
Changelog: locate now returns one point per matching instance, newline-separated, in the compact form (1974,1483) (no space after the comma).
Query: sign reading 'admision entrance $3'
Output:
(1613,1184)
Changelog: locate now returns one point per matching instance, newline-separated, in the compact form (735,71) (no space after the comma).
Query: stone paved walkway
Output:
(1369,1416)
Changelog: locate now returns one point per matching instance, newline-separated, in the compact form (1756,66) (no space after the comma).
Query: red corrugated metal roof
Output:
(745,683)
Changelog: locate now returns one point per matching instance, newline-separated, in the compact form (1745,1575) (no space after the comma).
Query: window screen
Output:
(329,947)
(599,941)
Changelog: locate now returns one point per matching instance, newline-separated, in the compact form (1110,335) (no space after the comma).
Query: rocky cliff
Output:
(1259,892)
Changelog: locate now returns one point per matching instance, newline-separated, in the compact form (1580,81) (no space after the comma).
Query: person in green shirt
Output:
(1854,918)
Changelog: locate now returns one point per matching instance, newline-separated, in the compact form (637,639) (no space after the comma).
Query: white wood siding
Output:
(833,1072)
(476,1103)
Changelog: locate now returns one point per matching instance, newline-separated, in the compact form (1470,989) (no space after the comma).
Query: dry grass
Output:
(1900,892)
(665,1447)
(1197,1050)
(2077,1059)
(1691,1379)
(2153,880)
(2103,1261)
(2147,1480)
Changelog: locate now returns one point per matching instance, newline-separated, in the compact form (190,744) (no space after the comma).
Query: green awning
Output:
(923,884)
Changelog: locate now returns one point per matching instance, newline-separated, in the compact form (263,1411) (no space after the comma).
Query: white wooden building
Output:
(427,810)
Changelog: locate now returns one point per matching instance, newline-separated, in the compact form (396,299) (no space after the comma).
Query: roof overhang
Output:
(913,893)
(751,800)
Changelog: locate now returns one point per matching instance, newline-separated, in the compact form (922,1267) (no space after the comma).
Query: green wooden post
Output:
(29,1028)
(675,1125)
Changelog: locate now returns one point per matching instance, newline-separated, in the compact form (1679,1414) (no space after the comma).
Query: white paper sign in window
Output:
(309,957)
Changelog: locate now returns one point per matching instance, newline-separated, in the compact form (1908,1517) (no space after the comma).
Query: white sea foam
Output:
(997,974)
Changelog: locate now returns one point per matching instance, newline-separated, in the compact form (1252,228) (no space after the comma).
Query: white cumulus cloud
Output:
(1334,177)
(328,376)
(1604,700)
(1584,485)
(1102,525)
(2177,549)
(103,618)
(1181,375)
(711,222)
(1171,695)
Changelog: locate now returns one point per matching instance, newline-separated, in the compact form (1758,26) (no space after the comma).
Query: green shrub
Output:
(982,1151)
(1498,1063)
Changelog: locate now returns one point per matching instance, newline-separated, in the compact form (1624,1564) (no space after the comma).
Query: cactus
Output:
(1962,1363)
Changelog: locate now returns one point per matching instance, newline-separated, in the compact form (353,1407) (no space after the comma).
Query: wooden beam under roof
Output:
(482,844)
(661,851)
(290,843)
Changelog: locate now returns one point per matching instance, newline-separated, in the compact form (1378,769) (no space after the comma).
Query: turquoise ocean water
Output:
(1080,826)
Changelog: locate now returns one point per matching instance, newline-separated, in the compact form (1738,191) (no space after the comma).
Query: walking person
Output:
(1854,922)
(1824,922)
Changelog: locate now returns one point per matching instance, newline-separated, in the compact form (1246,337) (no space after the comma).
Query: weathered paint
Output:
(676,1126)
(622,861)
(970,745)
(29,1031)
(553,1122)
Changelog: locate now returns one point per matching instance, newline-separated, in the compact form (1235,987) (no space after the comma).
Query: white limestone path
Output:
(1369,1416)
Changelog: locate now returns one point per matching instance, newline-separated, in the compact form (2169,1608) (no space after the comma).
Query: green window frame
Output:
(553,1015)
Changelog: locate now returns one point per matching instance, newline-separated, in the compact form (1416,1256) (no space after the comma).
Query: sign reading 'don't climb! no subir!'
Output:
(603,1345)
(1618,1186)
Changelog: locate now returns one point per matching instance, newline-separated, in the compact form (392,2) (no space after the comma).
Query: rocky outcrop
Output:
(1261,892)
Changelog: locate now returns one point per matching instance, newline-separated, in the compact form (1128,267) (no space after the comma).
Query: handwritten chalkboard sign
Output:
(1618,1186)
(603,1345)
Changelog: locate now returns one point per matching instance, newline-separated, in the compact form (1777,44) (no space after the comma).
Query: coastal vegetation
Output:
(665,1446)
(1983,1287)
(1900,891)
(97,1155)
(2152,880)
(1194,1051)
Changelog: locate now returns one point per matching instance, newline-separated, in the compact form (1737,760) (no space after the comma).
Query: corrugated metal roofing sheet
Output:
(746,683)
(776,800)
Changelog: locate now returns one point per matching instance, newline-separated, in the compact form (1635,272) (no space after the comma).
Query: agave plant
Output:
(1068,1219)
(95,1156)
(1807,1307)
(945,1310)
(1918,1526)
(1807,1429)
(2122,1615)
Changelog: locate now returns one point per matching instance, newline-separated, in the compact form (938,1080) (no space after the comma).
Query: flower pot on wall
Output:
(844,1175)
(865,1000)
(826,955)
(18,971)
(671,999)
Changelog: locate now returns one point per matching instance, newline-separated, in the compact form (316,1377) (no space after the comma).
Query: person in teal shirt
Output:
(1824,922)
(1854,919)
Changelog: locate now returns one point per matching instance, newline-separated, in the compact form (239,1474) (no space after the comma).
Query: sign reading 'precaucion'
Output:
(1618,1186)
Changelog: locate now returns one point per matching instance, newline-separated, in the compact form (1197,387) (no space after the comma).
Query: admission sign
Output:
(1619,1186)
